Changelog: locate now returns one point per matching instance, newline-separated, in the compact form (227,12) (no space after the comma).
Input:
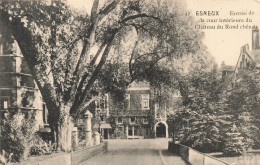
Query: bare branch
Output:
(131,59)
(150,66)
(84,77)
(86,105)
(80,86)
(91,31)
(132,17)
(82,54)
(108,9)
(93,61)
(86,47)
(94,10)
(94,76)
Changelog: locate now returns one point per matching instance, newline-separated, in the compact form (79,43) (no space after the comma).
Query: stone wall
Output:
(192,156)
(73,158)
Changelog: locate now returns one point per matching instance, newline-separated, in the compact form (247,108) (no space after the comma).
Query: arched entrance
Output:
(161,130)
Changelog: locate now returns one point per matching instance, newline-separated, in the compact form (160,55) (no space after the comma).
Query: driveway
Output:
(136,152)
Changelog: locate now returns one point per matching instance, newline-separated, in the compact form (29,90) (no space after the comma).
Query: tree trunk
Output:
(65,134)
(65,131)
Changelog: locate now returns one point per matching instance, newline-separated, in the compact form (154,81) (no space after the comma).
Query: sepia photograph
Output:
(129,82)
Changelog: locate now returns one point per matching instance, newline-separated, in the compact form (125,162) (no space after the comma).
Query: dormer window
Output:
(145,101)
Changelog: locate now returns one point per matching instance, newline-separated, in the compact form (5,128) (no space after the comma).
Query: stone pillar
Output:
(75,139)
(88,130)
(127,132)
(96,138)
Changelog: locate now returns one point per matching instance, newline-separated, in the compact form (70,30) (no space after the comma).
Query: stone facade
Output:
(18,90)
(137,117)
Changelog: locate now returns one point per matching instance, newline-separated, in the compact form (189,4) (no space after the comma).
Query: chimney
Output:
(255,39)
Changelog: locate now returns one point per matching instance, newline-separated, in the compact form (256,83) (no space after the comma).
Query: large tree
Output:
(67,49)
(243,105)
(201,115)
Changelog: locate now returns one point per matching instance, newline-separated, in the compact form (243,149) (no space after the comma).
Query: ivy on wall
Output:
(7,64)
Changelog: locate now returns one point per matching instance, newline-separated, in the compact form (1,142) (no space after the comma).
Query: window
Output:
(102,118)
(145,101)
(119,120)
(158,115)
(97,102)
(157,110)
(121,129)
(27,99)
(1,48)
(135,130)
(132,120)
(6,48)
(101,102)
(157,92)
(127,101)
(44,114)
(145,120)
(4,102)
(147,131)
(130,131)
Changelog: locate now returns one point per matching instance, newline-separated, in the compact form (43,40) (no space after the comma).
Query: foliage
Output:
(200,117)
(40,147)
(243,104)
(5,159)
(17,134)
(209,109)
(233,145)
(66,50)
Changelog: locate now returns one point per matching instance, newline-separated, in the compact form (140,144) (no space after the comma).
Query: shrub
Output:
(41,147)
(5,159)
(17,134)
(234,144)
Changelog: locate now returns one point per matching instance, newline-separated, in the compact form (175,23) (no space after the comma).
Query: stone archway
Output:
(161,129)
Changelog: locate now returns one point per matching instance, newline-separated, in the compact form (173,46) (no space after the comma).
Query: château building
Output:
(140,115)
(249,57)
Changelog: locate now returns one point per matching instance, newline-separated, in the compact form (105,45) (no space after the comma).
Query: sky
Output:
(223,44)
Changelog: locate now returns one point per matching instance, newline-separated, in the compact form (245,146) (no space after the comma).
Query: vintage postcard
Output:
(135,82)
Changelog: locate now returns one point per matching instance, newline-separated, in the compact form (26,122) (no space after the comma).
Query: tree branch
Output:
(86,105)
(82,54)
(140,16)
(93,61)
(78,104)
(94,10)
(108,9)
(150,66)
(84,77)
(131,59)
(91,31)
